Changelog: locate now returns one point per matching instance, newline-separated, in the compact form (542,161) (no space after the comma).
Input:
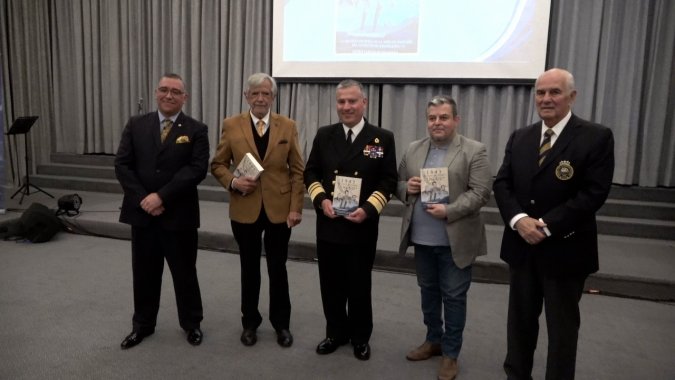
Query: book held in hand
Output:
(434,185)
(346,194)
(248,167)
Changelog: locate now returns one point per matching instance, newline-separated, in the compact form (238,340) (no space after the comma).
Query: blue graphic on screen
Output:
(404,30)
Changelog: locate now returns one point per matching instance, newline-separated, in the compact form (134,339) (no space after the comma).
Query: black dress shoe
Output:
(329,345)
(284,338)
(362,351)
(195,336)
(248,337)
(133,339)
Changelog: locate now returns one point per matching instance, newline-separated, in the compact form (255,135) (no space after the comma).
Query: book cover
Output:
(248,167)
(434,185)
(346,194)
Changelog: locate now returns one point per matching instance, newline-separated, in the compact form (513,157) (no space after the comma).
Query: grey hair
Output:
(258,78)
(173,76)
(352,83)
(444,99)
(569,78)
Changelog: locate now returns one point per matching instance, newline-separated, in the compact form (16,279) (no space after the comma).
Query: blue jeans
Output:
(442,284)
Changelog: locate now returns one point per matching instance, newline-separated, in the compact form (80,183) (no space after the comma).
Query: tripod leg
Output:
(39,189)
(15,193)
(24,190)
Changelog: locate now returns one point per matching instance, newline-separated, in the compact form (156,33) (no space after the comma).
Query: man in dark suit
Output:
(271,204)
(556,174)
(346,245)
(161,158)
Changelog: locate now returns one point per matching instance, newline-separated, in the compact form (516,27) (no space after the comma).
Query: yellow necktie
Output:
(166,128)
(545,145)
(260,126)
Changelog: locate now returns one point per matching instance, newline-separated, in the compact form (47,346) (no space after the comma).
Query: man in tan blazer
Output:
(447,236)
(270,204)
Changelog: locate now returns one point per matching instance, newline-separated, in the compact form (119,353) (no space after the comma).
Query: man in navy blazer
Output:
(548,190)
(161,158)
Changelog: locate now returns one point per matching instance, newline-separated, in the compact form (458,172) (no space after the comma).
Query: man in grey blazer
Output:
(447,236)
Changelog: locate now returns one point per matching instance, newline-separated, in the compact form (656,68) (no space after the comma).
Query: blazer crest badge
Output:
(564,170)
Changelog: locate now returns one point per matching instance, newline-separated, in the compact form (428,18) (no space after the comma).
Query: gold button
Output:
(356,173)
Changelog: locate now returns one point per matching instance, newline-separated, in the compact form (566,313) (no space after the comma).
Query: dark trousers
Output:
(149,247)
(250,237)
(530,289)
(345,278)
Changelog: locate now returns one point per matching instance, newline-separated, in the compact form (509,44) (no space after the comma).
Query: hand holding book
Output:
(434,186)
(245,185)
(248,167)
(246,174)
(346,195)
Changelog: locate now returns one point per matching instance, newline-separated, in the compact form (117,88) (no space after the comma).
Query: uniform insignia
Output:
(373,151)
(564,171)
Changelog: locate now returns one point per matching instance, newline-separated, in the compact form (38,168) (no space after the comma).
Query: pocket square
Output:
(182,139)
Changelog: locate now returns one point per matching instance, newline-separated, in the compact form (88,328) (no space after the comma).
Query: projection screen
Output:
(458,39)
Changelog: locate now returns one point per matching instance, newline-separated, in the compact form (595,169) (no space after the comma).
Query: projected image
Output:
(376,26)
(410,38)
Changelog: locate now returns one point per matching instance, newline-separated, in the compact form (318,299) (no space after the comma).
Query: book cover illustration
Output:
(434,185)
(346,194)
(248,167)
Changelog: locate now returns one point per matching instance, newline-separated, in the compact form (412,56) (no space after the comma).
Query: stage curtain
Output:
(83,66)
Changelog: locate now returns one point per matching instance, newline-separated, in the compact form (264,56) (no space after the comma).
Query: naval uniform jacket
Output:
(371,157)
(568,188)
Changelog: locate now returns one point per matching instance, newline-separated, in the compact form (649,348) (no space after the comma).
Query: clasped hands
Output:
(531,230)
(152,204)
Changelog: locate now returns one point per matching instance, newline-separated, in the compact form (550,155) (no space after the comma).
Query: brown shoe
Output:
(448,369)
(425,351)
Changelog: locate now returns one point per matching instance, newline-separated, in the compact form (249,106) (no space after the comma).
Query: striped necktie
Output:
(260,127)
(166,128)
(545,145)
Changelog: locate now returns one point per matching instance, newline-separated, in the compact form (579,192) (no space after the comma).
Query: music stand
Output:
(21,126)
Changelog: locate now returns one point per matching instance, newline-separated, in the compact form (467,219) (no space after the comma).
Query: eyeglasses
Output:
(173,91)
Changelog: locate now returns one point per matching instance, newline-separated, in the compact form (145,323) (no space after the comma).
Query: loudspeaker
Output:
(69,205)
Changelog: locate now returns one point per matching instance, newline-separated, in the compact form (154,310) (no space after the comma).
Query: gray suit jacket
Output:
(470,181)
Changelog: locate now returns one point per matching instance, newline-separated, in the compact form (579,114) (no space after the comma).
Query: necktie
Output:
(350,136)
(166,128)
(545,145)
(260,127)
